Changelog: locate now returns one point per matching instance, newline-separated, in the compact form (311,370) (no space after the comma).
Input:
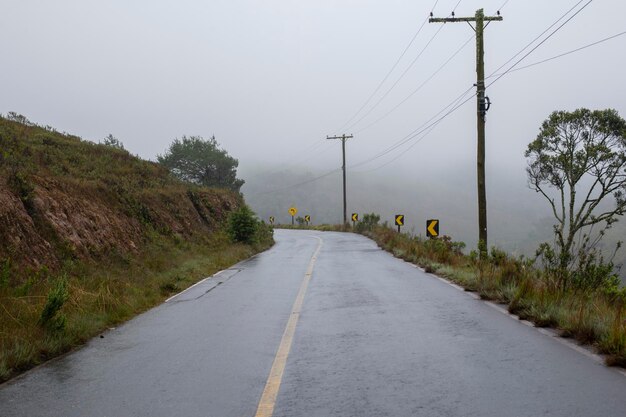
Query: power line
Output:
(420,129)
(514,70)
(503,4)
(422,85)
(426,133)
(564,54)
(430,128)
(461,100)
(413,134)
(542,42)
(536,38)
(317,144)
(455,7)
(390,89)
(393,67)
(419,87)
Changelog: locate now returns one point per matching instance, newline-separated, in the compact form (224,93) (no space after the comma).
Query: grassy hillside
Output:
(91,235)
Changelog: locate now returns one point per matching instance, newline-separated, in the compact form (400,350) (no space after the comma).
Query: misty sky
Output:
(270,79)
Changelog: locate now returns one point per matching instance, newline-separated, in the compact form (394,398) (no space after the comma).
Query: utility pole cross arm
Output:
(463,19)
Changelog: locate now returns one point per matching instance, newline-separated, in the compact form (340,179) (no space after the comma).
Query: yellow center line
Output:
(268,398)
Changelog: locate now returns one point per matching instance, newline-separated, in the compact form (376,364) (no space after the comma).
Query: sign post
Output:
(399,221)
(293,211)
(432,228)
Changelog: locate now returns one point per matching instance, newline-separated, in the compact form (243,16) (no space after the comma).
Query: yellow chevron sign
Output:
(307,218)
(399,219)
(272,219)
(355,217)
(432,228)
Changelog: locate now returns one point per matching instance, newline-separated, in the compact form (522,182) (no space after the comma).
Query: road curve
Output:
(374,337)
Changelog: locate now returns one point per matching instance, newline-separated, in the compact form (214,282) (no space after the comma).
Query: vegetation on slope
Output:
(590,314)
(91,235)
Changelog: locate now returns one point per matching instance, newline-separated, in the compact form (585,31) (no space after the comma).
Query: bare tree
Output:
(582,156)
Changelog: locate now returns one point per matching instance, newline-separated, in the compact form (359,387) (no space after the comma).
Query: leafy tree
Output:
(199,161)
(113,142)
(576,162)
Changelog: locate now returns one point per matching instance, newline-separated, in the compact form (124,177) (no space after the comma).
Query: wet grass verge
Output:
(43,315)
(592,317)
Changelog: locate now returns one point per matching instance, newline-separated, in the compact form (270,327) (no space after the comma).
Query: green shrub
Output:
(497,256)
(243,225)
(264,234)
(50,317)
(368,223)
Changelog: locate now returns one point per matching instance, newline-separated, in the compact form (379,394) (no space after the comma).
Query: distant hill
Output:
(519,220)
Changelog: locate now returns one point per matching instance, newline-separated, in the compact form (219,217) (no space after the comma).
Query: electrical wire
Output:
(403,73)
(503,4)
(457,5)
(521,51)
(540,43)
(390,89)
(564,53)
(393,67)
(420,129)
(426,126)
(426,133)
(316,144)
(513,70)
(415,91)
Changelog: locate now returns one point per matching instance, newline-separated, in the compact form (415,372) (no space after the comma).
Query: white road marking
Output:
(197,283)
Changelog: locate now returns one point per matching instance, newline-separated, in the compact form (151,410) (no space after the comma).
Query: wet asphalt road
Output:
(376,337)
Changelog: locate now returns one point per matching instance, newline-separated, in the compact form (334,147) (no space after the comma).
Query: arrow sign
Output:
(307,218)
(399,219)
(432,228)
(293,211)
(355,217)
(272,219)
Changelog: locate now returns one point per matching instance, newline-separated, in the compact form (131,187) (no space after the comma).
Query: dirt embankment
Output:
(64,198)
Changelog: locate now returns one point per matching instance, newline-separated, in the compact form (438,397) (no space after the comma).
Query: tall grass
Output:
(594,317)
(44,315)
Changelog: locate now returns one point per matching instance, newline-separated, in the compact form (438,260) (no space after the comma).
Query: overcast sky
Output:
(270,79)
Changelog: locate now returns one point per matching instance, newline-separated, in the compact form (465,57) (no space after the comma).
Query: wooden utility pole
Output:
(482,107)
(343,167)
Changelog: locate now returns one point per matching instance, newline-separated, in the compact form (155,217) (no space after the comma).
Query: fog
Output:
(271,79)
